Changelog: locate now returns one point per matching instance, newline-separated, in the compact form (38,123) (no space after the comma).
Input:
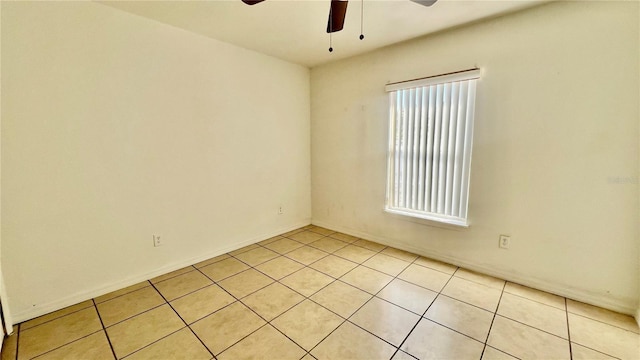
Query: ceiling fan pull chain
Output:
(330,42)
(361,19)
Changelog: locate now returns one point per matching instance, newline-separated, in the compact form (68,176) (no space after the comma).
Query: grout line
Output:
(185,323)
(496,349)
(379,291)
(322,288)
(599,352)
(245,305)
(56,318)
(18,340)
(68,343)
(154,342)
(190,292)
(495,313)
(566,313)
(539,302)
(121,295)
(104,329)
(174,276)
(602,322)
(421,317)
(530,326)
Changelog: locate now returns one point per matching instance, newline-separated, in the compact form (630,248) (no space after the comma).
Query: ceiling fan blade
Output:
(337,13)
(423,2)
(252,2)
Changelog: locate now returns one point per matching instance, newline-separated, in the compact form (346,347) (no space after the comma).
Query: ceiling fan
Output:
(338,11)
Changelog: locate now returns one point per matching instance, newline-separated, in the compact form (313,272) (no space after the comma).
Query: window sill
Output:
(457,222)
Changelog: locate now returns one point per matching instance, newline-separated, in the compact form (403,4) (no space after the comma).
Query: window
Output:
(430,137)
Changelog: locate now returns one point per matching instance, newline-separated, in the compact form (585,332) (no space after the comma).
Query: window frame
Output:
(470,76)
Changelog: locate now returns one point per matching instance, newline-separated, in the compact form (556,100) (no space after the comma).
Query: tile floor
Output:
(314,293)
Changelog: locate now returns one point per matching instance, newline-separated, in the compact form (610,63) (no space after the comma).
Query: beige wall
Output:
(116,127)
(556,126)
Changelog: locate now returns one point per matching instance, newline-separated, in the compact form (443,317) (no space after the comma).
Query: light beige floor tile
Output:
(182,285)
(328,244)
(387,321)
(95,346)
(386,264)
(606,316)
(270,240)
(245,283)
(284,245)
(525,342)
(473,293)
(272,300)
(306,255)
(244,249)
(279,267)
(305,237)
(532,313)
(10,346)
(604,338)
(211,261)
(579,352)
(344,237)
(483,279)
(201,303)
(308,357)
(121,292)
(288,233)
(131,304)
(144,329)
(400,254)
(179,345)
(401,355)
(56,314)
(172,274)
(535,295)
(307,281)
(354,253)
(341,298)
(257,256)
(367,279)
(409,296)
(373,246)
(333,266)
(223,269)
(432,341)
(461,317)
(307,323)
(55,333)
(351,342)
(425,277)
(436,265)
(265,344)
(494,354)
(223,328)
(321,230)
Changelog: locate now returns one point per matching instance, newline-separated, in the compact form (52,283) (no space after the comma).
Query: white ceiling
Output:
(296,30)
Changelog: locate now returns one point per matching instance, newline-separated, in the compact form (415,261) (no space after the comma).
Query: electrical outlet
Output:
(504,242)
(157,240)
(280,210)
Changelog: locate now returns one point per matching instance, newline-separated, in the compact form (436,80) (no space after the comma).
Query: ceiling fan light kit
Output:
(338,12)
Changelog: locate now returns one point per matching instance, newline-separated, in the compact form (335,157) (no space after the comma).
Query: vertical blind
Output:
(430,138)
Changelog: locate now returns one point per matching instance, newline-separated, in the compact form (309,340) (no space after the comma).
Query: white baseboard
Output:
(554,288)
(134,279)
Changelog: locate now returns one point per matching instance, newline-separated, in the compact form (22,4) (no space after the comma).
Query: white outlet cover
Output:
(504,241)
